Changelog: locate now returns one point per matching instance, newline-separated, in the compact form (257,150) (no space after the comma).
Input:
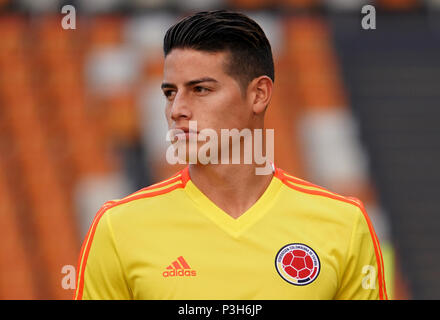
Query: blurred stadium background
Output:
(81,122)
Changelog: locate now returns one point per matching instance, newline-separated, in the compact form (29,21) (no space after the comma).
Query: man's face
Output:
(197,88)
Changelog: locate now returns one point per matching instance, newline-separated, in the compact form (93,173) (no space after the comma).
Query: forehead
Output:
(187,64)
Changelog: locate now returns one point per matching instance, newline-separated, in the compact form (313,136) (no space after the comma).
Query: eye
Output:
(169,94)
(201,90)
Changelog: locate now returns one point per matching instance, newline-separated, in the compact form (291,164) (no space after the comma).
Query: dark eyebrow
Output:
(167,85)
(189,83)
(197,81)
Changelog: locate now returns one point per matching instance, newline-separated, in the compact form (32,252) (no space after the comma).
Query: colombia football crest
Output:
(298,264)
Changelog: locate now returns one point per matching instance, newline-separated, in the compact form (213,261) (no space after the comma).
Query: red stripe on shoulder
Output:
(153,193)
(284,176)
(320,192)
(161,184)
(176,177)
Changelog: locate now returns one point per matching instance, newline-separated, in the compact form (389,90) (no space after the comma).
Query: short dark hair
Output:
(222,30)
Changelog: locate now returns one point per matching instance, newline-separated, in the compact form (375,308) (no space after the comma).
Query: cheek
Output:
(234,111)
(168,113)
(228,99)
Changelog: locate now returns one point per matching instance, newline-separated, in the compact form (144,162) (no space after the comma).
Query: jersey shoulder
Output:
(314,194)
(145,199)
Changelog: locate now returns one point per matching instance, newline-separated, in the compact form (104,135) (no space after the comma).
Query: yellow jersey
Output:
(170,241)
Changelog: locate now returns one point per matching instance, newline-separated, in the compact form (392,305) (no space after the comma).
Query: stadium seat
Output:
(105,31)
(17,278)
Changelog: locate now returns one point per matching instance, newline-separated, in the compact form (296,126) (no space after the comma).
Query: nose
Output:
(180,108)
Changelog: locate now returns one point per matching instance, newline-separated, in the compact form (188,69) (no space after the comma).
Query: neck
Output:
(233,188)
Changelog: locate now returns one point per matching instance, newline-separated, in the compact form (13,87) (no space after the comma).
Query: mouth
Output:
(183,132)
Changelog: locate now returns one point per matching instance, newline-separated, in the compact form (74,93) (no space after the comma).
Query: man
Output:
(221,231)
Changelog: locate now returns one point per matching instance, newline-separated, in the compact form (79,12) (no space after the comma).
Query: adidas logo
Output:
(179,268)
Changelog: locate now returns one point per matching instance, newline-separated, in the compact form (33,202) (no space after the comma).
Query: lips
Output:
(183,131)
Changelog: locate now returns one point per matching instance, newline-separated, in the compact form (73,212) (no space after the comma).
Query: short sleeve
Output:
(100,272)
(363,274)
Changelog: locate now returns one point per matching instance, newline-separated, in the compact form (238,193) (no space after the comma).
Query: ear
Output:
(261,93)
